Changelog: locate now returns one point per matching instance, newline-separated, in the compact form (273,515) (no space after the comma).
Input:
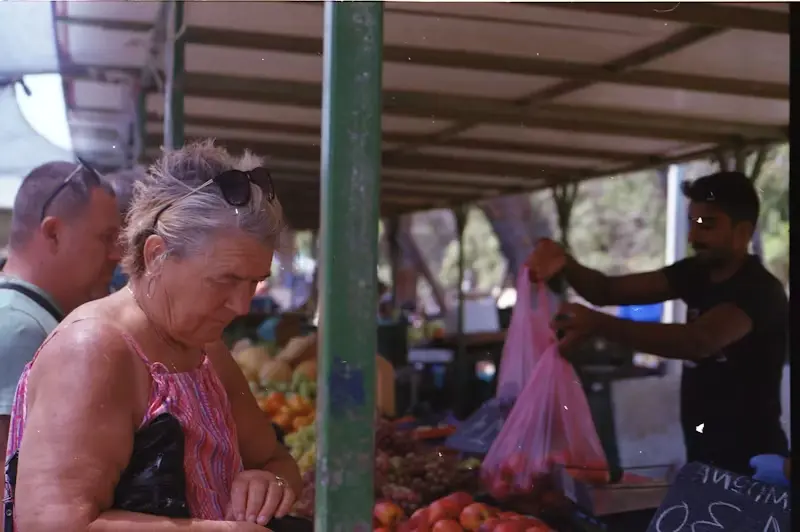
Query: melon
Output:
(274,371)
(252,358)
(308,369)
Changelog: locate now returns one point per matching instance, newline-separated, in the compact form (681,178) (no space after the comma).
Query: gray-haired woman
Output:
(200,236)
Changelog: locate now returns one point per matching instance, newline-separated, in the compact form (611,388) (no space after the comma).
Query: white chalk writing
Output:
(742,485)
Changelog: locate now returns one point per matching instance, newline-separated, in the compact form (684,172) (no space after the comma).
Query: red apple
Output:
(490,524)
(447,525)
(461,499)
(510,526)
(443,509)
(420,522)
(500,489)
(473,516)
(388,513)
(518,462)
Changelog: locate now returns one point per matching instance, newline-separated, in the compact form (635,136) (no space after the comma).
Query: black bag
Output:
(154,482)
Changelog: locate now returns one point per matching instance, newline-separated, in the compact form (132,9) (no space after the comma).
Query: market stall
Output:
(546,95)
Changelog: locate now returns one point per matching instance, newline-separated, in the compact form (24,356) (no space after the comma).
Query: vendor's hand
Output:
(257,496)
(770,469)
(546,261)
(576,323)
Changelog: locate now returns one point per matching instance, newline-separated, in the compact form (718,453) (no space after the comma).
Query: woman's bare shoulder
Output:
(89,350)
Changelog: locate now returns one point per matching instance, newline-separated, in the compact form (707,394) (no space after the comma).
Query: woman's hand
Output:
(257,496)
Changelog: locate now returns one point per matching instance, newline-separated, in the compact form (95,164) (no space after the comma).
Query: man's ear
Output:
(744,232)
(51,230)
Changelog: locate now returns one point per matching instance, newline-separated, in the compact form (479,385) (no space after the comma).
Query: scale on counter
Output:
(640,488)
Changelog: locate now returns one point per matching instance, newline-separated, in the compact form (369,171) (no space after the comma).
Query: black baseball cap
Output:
(732,192)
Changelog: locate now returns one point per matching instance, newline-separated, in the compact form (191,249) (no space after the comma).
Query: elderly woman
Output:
(200,236)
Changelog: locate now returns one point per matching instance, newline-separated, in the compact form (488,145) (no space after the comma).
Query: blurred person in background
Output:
(123,183)
(62,253)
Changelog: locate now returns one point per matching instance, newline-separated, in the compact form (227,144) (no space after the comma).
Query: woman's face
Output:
(205,293)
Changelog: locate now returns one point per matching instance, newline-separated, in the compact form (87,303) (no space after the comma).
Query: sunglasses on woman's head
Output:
(89,179)
(234,186)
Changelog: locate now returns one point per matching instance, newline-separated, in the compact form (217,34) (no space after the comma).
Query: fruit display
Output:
(291,405)
(303,447)
(456,512)
(408,473)
(517,476)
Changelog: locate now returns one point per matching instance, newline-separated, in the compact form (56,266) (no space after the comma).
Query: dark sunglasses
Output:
(235,188)
(88,176)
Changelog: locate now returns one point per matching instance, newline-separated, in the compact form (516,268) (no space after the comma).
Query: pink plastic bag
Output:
(549,424)
(529,334)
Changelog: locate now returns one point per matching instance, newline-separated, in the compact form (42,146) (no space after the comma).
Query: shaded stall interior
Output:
(480,101)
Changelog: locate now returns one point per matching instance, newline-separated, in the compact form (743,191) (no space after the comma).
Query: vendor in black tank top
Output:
(734,344)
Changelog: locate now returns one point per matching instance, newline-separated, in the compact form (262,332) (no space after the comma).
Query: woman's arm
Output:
(117,521)
(81,417)
(257,441)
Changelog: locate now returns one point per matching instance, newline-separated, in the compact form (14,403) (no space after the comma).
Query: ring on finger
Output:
(280,481)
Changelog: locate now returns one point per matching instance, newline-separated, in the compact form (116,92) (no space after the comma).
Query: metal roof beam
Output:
(527,148)
(430,163)
(475,110)
(726,17)
(486,62)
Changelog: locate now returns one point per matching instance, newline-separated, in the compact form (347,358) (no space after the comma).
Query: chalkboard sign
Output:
(477,433)
(705,498)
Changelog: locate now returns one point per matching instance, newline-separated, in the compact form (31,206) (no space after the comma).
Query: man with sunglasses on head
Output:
(734,344)
(62,253)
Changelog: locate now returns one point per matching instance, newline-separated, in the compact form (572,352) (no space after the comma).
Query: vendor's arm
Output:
(79,437)
(706,336)
(603,290)
(258,443)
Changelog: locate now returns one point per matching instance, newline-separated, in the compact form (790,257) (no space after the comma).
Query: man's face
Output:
(88,248)
(712,234)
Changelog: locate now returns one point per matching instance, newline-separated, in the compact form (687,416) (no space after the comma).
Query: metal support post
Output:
(463,368)
(392,228)
(461,224)
(351,164)
(139,125)
(175,69)
(677,235)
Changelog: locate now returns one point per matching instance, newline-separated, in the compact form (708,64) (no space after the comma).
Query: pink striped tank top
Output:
(198,400)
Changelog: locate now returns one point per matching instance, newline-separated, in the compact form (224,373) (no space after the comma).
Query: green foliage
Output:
(618,224)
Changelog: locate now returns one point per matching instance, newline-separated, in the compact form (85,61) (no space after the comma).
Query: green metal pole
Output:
(173,97)
(351,163)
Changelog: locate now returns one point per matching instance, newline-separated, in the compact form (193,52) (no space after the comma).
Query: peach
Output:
(474,515)
(443,509)
(447,525)
(490,524)
(461,499)
(518,463)
(500,489)
(510,526)
(388,513)
(420,522)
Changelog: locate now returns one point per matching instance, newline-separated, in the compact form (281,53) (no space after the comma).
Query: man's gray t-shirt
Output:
(24,326)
